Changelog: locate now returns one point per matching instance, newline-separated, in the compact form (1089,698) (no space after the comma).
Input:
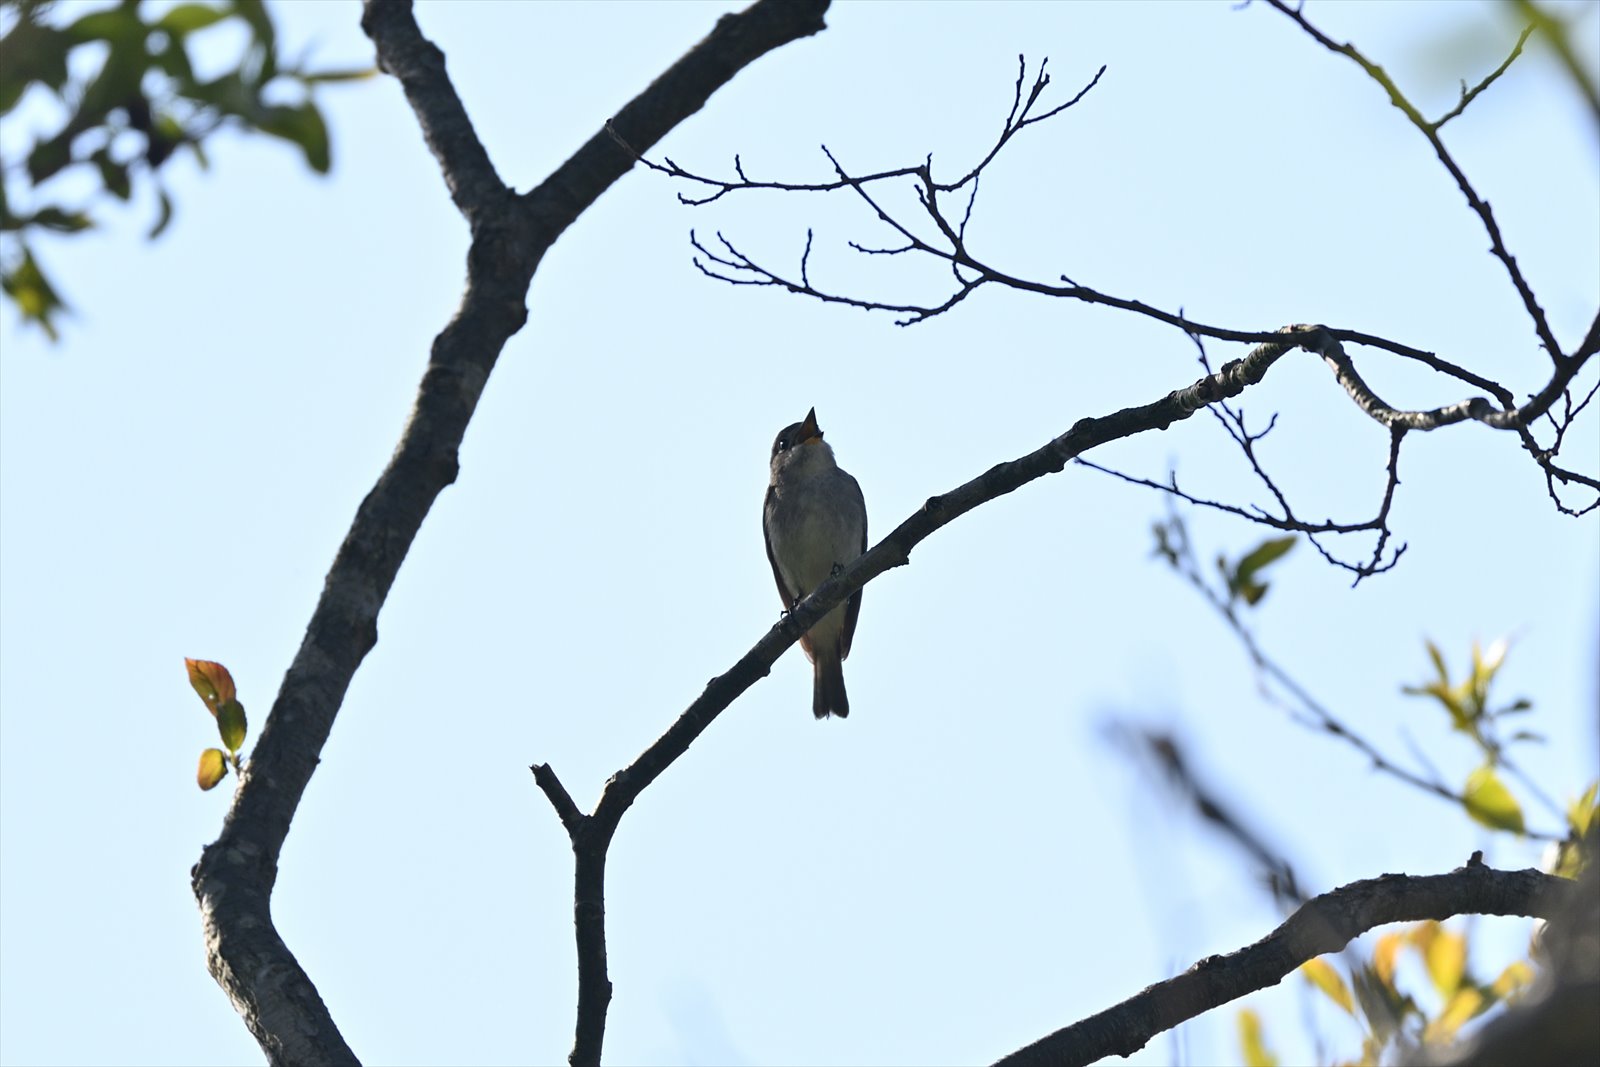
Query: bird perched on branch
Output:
(815,521)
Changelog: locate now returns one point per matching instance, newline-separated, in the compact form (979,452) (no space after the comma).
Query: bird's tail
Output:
(827,688)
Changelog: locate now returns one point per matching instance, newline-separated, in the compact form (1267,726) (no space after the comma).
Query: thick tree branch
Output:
(234,879)
(1323,924)
(419,66)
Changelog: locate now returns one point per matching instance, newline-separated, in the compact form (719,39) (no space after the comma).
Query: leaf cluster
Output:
(216,689)
(128,99)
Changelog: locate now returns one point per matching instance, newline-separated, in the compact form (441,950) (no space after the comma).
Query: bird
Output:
(815,522)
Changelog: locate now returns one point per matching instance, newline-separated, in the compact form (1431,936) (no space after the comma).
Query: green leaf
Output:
(303,126)
(187,18)
(163,217)
(30,53)
(213,768)
(231,725)
(1438,661)
(109,24)
(33,294)
(355,74)
(54,218)
(1267,552)
(48,158)
(113,175)
(1489,802)
(1322,974)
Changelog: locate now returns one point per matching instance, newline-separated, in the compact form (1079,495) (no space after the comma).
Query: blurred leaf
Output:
(1517,977)
(1489,802)
(254,13)
(187,18)
(109,24)
(1422,934)
(213,768)
(1384,1007)
(1446,957)
(1267,552)
(1383,957)
(1438,661)
(53,218)
(231,725)
(163,216)
(29,53)
(1253,1050)
(303,126)
(35,297)
(1585,811)
(356,74)
(1322,975)
(48,158)
(1461,1007)
(113,175)
(212,681)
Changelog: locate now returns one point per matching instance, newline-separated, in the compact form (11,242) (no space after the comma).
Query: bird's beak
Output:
(809,431)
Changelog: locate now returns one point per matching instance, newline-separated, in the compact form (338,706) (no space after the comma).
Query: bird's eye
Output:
(783,444)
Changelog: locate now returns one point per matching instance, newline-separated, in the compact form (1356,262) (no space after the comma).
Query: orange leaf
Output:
(212,681)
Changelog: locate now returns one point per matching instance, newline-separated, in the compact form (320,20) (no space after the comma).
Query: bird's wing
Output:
(852,610)
(766,536)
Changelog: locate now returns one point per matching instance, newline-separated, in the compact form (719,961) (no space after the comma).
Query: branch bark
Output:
(234,878)
(1323,924)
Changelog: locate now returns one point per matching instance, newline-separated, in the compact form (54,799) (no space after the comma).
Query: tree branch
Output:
(234,878)
(591,834)
(1323,924)
(1497,245)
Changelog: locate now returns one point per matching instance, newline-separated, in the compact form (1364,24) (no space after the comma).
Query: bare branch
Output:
(234,878)
(1469,95)
(1305,708)
(1323,924)
(1497,245)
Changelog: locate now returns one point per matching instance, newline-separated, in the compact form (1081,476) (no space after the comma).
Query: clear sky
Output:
(963,865)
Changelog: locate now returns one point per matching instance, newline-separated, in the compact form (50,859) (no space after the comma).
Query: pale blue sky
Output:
(964,864)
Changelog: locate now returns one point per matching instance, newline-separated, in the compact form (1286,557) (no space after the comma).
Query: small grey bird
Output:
(815,521)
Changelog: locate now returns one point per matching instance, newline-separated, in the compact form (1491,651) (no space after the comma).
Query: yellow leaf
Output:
(1423,933)
(1466,1003)
(1446,957)
(1322,975)
(1513,980)
(1489,802)
(1253,1050)
(213,768)
(1582,812)
(1383,956)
